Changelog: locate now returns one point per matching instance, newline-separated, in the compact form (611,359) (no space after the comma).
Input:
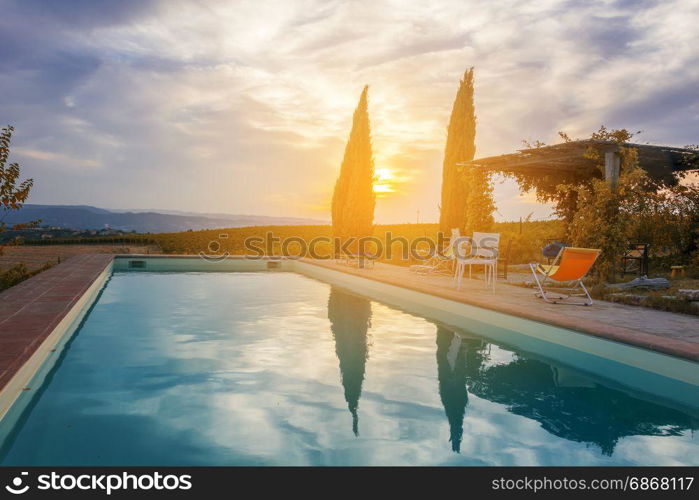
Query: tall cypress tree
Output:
(354,199)
(479,207)
(460,147)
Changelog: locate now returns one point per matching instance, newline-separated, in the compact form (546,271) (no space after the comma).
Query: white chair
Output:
(483,252)
(442,262)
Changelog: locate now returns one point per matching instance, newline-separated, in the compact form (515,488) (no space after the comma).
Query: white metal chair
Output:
(483,252)
(442,262)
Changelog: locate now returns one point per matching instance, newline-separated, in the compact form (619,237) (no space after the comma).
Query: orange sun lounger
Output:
(571,265)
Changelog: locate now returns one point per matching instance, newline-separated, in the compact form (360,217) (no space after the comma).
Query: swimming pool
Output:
(279,368)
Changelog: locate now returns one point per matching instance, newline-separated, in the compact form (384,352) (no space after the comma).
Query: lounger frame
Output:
(560,298)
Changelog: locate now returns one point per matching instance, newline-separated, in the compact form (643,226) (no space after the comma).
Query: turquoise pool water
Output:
(278,368)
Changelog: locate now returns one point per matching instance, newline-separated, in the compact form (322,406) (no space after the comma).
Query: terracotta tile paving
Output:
(36,256)
(31,310)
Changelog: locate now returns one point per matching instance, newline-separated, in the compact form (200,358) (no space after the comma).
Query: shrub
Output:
(18,273)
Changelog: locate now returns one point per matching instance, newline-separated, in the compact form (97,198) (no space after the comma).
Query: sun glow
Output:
(384,181)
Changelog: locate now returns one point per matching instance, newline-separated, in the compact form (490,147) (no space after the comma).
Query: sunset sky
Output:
(245,107)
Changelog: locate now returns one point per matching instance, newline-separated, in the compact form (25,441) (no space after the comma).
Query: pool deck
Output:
(31,310)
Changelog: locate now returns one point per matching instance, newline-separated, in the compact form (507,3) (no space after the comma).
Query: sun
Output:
(384,181)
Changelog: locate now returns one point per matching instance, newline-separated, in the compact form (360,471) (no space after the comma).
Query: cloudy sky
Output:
(245,106)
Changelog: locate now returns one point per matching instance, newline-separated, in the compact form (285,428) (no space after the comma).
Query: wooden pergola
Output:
(661,162)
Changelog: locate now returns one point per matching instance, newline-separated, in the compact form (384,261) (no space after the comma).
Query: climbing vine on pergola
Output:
(577,162)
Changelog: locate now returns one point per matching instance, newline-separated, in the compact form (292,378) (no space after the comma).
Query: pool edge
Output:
(32,364)
(45,354)
(648,341)
(451,311)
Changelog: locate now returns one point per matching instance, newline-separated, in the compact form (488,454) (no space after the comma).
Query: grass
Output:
(18,273)
(664,300)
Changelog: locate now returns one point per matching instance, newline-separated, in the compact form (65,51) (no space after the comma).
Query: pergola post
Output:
(612,167)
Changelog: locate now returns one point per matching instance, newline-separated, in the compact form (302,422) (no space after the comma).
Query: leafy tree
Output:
(645,207)
(605,216)
(565,200)
(12,195)
(460,148)
(668,219)
(354,199)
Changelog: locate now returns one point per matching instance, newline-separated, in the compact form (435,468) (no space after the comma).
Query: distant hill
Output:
(87,217)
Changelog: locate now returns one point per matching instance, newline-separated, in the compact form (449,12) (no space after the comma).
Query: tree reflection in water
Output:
(566,402)
(350,318)
(570,405)
(452,352)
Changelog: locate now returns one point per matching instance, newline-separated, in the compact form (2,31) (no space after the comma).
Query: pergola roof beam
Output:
(569,156)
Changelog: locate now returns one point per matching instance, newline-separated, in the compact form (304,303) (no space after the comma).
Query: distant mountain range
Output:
(146,221)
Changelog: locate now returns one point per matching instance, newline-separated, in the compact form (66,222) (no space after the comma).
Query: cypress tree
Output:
(460,147)
(354,199)
(478,211)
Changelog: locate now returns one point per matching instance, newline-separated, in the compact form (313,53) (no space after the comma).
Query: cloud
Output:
(54,158)
(246,106)
(83,14)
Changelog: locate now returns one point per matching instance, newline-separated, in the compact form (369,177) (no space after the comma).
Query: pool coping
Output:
(35,315)
(649,341)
